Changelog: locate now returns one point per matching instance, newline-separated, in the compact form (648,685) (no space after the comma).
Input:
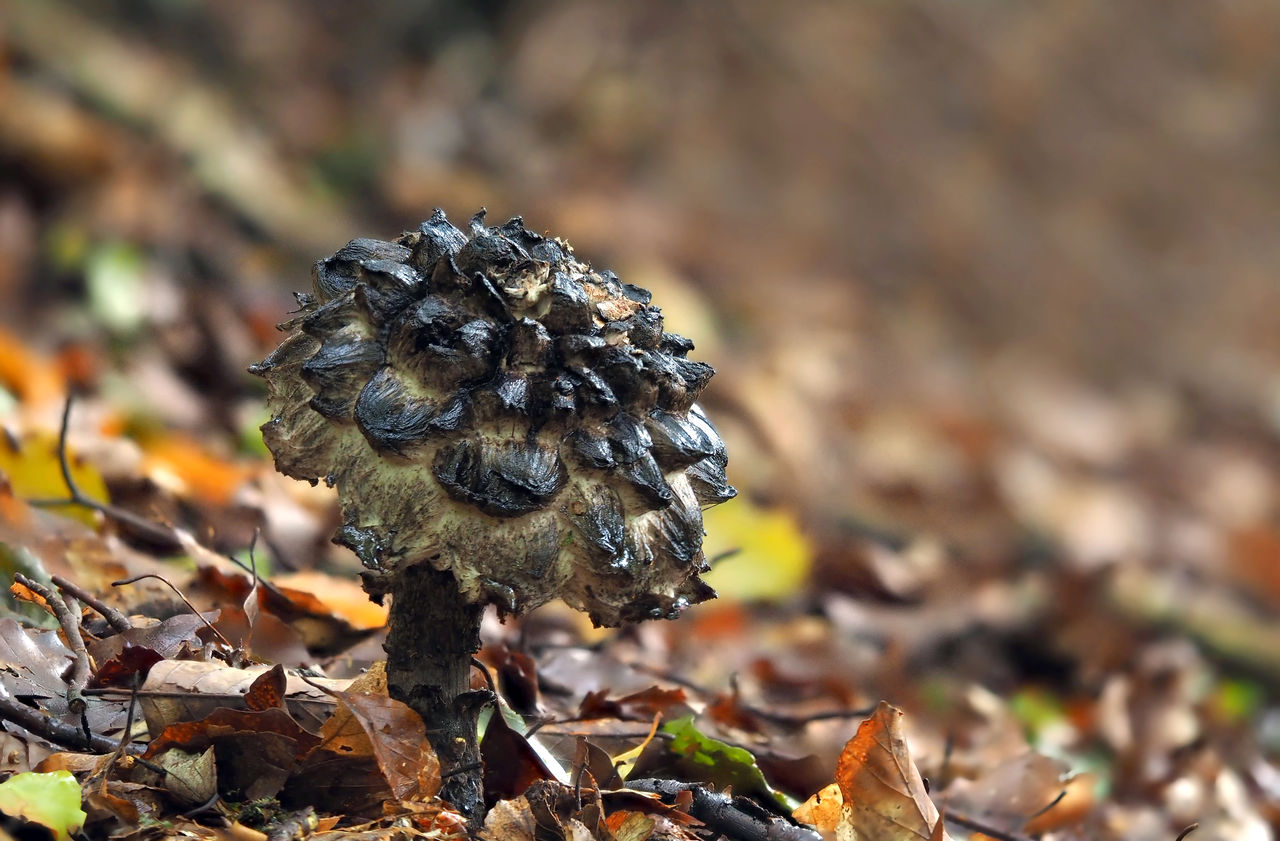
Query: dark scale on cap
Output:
(487,403)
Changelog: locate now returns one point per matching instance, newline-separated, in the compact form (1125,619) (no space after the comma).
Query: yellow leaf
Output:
(32,469)
(773,557)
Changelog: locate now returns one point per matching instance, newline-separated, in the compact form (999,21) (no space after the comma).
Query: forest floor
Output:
(989,581)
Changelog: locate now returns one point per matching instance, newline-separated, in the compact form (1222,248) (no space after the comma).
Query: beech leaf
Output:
(884,795)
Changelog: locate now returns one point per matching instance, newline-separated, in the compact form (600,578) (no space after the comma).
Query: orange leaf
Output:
(25,594)
(185,467)
(884,796)
(267,690)
(32,377)
(343,596)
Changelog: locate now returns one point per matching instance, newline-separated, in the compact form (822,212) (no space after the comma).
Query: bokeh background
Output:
(995,277)
(990,286)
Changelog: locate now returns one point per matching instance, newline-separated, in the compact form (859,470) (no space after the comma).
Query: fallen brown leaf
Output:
(884,796)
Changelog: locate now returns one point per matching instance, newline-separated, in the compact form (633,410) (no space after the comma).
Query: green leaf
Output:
(52,800)
(700,758)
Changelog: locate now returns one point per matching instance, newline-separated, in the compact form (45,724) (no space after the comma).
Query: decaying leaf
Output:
(374,749)
(1011,792)
(187,690)
(884,796)
(256,751)
(397,738)
(190,778)
(511,764)
(822,810)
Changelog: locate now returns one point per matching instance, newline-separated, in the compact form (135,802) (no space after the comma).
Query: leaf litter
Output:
(1050,575)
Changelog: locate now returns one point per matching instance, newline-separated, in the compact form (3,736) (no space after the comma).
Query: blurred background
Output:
(990,289)
(990,286)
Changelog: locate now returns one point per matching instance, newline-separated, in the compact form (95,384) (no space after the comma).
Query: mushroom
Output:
(504,425)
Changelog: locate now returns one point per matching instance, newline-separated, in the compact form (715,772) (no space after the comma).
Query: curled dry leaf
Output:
(1009,794)
(188,690)
(884,796)
(394,736)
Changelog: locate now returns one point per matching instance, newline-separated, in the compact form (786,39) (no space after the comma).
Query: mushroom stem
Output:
(432,637)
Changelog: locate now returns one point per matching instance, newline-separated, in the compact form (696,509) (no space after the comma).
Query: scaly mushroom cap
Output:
(488,404)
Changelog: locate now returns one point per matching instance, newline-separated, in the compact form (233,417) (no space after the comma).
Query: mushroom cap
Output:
(488,404)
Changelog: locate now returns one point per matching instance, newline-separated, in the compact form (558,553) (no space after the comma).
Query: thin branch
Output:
(1053,803)
(115,618)
(69,620)
(58,732)
(734,817)
(488,675)
(985,828)
(153,531)
(1184,833)
(192,607)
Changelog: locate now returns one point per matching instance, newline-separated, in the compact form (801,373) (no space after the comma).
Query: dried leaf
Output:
(133,662)
(187,468)
(822,810)
(33,378)
(511,764)
(884,796)
(638,706)
(166,639)
(372,750)
(398,739)
(509,820)
(188,690)
(342,595)
(190,778)
(267,690)
(256,751)
(1010,792)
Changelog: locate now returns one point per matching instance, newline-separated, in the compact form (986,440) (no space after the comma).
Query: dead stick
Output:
(986,829)
(115,618)
(57,732)
(153,531)
(185,601)
(69,619)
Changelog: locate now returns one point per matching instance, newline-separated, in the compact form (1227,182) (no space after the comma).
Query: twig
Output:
(1052,803)
(69,620)
(207,806)
(153,531)
(1184,833)
(985,828)
(115,618)
(735,817)
(488,676)
(170,585)
(128,716)
(58,732)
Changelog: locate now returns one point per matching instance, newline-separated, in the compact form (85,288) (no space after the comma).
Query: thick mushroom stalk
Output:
(505,425)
